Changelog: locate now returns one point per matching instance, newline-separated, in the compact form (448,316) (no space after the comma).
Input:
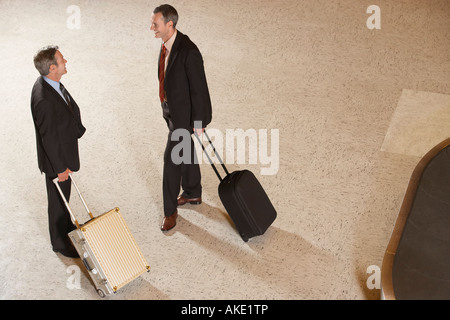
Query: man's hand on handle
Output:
(64,176)
(199,132)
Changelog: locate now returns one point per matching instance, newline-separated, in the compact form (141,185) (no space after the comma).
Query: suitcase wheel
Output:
(101,293)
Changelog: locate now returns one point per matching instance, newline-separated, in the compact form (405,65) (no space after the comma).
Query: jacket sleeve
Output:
(198,87)
(47,126)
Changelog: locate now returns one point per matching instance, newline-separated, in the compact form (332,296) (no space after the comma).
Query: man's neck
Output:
(54,77)
(169,35)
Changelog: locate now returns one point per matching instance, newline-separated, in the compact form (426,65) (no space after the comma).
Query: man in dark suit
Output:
(186,105)
(58,127)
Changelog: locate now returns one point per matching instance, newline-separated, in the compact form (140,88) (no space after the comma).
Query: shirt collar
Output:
(169,43)
(55,85)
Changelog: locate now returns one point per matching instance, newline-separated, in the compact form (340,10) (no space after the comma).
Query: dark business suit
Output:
(57,132)
(187,101)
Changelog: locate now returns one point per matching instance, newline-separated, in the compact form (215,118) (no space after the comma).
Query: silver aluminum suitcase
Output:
(106,247)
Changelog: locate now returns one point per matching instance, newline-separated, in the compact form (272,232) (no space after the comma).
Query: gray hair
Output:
(168,12)
(44,59)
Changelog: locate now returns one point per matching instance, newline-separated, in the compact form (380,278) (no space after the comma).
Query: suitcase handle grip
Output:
(86,264)
(74,219)
(207,155)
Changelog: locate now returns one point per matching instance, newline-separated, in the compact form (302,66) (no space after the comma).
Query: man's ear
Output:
(52,68)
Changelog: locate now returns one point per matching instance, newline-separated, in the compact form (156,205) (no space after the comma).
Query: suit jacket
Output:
(185,84)
(57,129)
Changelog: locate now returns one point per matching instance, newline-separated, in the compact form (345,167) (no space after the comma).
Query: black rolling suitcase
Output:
(244,199)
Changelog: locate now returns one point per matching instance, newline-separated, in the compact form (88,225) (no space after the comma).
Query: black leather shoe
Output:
(69,253)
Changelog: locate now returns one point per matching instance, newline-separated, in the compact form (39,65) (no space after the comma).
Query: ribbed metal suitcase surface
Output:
(114,248)
(106,247)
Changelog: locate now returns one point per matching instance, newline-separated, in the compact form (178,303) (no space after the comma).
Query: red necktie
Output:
(162,64)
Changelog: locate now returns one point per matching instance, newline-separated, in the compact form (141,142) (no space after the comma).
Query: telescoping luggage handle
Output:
(207,155)
(74,219)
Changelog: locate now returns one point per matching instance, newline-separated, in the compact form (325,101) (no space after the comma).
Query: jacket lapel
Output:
(53,91)
(174,53)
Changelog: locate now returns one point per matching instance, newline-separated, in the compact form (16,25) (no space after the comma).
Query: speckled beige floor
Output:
(338,93)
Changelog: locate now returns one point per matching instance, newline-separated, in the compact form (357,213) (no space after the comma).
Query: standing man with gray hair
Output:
(186,105)
(58,127)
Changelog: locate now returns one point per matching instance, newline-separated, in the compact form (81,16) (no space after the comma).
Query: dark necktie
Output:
(162,64)
(66,96)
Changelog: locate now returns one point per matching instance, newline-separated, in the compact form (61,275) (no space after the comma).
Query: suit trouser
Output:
(187,174)
(59,221)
